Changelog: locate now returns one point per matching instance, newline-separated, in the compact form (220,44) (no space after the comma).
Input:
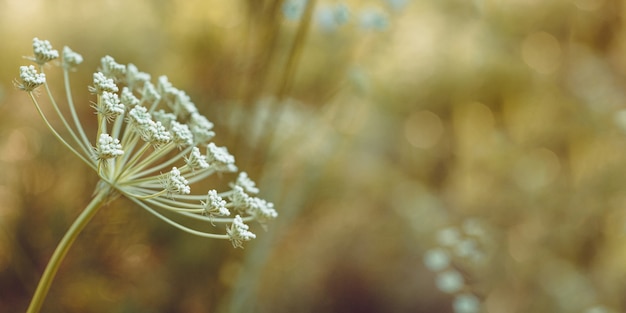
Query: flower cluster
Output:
(152,144)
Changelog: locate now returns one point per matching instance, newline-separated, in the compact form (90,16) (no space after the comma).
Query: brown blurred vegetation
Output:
(369,142)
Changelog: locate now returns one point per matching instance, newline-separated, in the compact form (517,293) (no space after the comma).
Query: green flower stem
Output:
(64,246)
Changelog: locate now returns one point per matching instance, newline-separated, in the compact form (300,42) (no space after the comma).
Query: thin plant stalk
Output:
(61,250)
(129,167)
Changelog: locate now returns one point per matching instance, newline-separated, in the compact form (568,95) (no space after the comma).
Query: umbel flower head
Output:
(152,145)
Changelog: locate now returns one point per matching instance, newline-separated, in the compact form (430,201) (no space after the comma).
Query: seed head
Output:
(30,79)
(143,131)
(71,59)
(43,51)
(101,83)
(108,147)
(175,183)
(238,232)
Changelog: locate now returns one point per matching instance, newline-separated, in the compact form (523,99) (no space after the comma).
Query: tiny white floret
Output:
(30,79)
(174,182)
(101,83)
(43,51)
(70,58)
(238,232)
(246,183)
(108,147)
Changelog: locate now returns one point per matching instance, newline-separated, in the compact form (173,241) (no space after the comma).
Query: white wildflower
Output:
(246,183)
(174,182)
(140,120)
(262,210)
(182,136)
(135,78)
(239,198)
(101,83)
(110,106)
(238,232)
(43,51)
(214,205)
(157,134)
(112,69)
(159,128)
(108,147)
(219,158)
(149,93)
(128,99)
(30,79)
(196,160)
(182,106)
(201,127)
(165,118)
(70,58)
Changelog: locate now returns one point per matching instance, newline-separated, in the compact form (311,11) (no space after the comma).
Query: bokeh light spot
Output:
(423,129)
(536,169)
(541,52)
(20,144)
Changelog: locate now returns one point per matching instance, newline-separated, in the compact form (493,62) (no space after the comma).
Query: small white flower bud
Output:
(101,84)
(182,106)
(164,117)
(134,77)
(219,158)
(149,93)
(108,147)
(139,116)
(165,88)
(240,199)
(141,121)
(110,106)
(157,134)
(43,51)
(200,121)
(168,93)
(196,160)
(201,128)
(238,232)
(30,79)
(70,58)
(174,182)
(214,205)
(128,99)
(112,69)
(262,210)
(181,133)
(246,183)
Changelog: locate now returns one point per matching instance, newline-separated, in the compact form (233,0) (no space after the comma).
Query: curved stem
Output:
(64,246)
(56,133)
(79,127)
(62,117)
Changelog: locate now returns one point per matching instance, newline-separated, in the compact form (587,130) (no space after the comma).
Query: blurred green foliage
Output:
(370,141)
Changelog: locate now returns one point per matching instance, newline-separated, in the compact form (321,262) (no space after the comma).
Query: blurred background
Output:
(424,156)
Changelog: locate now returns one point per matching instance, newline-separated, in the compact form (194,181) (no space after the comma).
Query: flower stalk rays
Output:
(151,146)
